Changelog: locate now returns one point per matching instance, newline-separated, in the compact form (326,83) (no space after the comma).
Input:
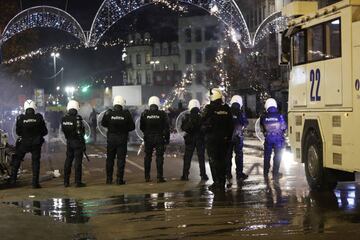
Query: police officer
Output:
(31,129)
(119,123)
(218,127)
(74,130)
(194,138)
(274,127)
(237,140)
(154,124)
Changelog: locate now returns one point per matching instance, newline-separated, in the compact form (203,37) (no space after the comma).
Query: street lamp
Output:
(154,63)
(55,56)
(70,91)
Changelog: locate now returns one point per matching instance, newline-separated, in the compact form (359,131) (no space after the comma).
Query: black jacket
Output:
(217,120)
(155,122)
(73,127)
(30,126)
(118,121)
(191,124)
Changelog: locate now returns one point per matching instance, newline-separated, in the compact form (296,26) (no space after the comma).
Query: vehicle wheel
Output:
(318,177)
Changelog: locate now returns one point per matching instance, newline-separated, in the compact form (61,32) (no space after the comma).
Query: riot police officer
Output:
(31,129)
(119,123)
(237,140)
(194,138)
(218,127)
(74,130)
(154,124)
(274,127)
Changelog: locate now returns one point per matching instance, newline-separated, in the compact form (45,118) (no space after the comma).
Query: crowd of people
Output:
(217,129)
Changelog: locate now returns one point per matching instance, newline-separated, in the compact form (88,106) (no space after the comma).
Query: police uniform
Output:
(154,124)
(237,143)
(31,128)
(218,126)
(74,130)
(194,138)
(119,123)
(274,127)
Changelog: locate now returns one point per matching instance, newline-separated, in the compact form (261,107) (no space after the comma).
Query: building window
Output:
(157,49)
(210,54)
(299,48)
(175,67)
(198,35)
(315,43)
(188,56)
(130,61)
(188,35)
(148,58)
(148,77)
(174,48)
(199,77)
(198,56)
(333,39)
(211,33)
(165,49)
(138,78)
(138,59)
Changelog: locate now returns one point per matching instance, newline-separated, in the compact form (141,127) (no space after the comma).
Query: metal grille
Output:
(298,120)
(337,141)
(336,121)
(337,158)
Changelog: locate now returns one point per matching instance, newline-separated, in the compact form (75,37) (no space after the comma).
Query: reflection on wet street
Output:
(257,207)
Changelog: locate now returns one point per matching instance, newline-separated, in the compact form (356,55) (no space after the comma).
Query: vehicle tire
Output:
(318,177)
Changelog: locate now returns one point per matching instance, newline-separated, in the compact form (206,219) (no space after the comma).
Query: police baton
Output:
(87,157)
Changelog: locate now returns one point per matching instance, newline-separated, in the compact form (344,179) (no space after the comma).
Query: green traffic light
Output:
(85,89)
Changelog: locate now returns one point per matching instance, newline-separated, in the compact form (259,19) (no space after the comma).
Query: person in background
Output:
(154,123)
(93,124)
(274,127)
(119,123)
(237,140)
(194,138)
(74,131)
(31,129)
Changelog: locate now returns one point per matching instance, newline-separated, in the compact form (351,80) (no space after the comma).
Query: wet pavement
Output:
(258,208)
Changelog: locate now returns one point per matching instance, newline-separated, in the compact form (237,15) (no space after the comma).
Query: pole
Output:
(54,68)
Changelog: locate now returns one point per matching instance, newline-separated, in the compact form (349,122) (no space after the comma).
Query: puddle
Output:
(255,207)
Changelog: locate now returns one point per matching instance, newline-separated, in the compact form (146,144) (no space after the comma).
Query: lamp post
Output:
(154,63)
(55,56)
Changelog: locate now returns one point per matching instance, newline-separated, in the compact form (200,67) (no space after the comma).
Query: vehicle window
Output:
(299,48)
(333,39)
(315,50)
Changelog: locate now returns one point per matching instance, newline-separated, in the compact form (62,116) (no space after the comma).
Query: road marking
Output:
(135,165)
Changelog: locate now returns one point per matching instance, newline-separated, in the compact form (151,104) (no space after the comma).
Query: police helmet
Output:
(29,104)
(194,103)
(72,104)
(270,103)
(119,100)
(215,94)
(237,99)
(154,101)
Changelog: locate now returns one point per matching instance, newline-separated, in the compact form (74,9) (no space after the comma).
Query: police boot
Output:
(161,180)
(80,184)
(120,181)
(184,178)
(109,180)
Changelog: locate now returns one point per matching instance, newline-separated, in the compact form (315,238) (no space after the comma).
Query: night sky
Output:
(85,65)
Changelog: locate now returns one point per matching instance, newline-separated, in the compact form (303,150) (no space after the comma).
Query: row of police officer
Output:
(219,128)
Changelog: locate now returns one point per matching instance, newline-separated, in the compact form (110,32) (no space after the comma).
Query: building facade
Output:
(200,37)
